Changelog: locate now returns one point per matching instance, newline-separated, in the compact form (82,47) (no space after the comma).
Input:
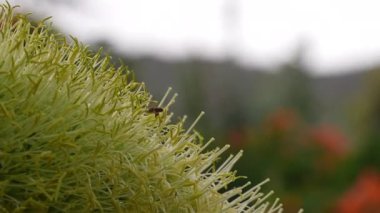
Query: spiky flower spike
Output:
(76,135)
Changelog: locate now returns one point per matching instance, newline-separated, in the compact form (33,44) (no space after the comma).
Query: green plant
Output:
(76,135)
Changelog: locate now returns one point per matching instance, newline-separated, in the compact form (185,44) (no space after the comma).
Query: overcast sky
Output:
(336,34)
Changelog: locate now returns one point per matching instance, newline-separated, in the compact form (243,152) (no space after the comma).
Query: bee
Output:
(155,110)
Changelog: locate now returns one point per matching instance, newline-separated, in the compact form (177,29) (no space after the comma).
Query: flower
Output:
(237,138)
(364,196)
(282,120)
(76,136)
(330,139)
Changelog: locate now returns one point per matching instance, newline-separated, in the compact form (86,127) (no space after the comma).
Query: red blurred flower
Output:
(282,120)
(364,196)
(330,139)
(237,138)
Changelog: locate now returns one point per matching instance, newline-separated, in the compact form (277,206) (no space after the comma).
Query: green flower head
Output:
(77,135)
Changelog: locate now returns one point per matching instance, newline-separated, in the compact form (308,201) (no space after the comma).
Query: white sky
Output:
(337,34)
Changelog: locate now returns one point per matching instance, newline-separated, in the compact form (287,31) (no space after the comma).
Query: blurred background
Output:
(295,83)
